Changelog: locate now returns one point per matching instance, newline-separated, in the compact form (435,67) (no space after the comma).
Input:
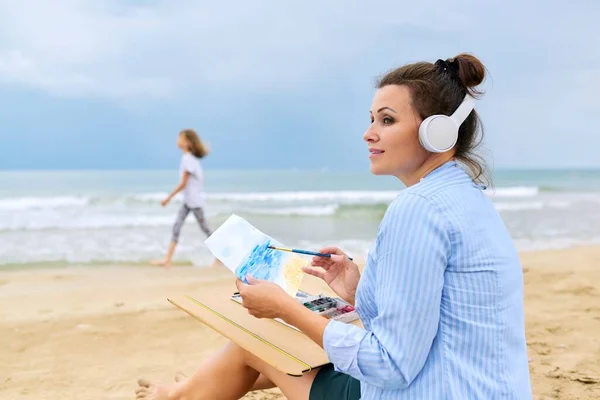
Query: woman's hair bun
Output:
(471,71)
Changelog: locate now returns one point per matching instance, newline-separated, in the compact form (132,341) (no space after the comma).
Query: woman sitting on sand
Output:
(441,296)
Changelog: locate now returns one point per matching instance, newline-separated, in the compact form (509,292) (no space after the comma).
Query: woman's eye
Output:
(387,120)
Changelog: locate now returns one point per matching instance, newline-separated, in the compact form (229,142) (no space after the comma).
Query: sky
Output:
(86,84)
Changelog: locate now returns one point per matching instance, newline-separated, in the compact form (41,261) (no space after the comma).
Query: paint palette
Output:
(332,308)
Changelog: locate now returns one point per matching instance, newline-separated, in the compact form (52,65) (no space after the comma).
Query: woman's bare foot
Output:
(162,263)
(149,391)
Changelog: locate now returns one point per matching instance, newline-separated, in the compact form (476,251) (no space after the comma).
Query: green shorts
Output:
(330,384)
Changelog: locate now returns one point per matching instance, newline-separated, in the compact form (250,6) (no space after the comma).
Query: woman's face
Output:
(392,137)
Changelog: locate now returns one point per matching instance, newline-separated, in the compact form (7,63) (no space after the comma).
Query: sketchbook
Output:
(244,250)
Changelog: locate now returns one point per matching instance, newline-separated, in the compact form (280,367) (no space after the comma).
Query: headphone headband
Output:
(462,112)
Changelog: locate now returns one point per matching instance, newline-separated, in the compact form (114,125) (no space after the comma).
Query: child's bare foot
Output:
(162,263)
(149,391)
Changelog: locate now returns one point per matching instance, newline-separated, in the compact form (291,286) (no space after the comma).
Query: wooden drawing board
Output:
(285,348)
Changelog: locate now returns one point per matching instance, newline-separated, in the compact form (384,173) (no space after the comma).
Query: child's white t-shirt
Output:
(193,193)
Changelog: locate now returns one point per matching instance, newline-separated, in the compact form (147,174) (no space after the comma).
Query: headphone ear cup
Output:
(438,133)
(423,135)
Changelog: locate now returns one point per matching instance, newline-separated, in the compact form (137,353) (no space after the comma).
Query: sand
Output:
(89,333)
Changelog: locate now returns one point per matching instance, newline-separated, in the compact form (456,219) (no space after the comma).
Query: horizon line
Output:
(267,169)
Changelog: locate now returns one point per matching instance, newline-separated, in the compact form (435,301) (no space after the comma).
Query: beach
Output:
(91,332)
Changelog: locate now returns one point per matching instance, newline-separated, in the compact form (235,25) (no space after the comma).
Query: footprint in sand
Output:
(579,289)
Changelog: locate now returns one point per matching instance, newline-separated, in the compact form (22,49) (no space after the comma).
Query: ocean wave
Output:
(127,250)
(107,221)
(87,223)
(341,197)
(29,203)
(532,205)
(523,206)
(303,197)
(130,254)
(317,211)
(336,210)
(515,191)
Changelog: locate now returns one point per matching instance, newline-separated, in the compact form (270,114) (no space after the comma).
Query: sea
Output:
(75,218)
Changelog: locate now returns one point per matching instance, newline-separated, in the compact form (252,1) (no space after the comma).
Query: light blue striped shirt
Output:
(441,300)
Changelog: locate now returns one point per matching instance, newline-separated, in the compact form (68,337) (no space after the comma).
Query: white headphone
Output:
(439,133)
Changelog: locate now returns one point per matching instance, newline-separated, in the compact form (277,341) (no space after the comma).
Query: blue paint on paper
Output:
(262,263)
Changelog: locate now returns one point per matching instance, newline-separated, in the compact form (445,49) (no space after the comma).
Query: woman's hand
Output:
(165,201)
(341,274)
(264,299)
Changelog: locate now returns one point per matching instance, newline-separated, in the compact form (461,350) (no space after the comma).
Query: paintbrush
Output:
(310,253)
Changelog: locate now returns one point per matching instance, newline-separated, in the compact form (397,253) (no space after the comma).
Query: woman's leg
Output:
(229,374)
(181,216)
(294,388)
(262,383)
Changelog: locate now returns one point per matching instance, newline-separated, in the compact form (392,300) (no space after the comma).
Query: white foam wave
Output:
(532,205)
(514,191)
(152,197)
(324,210)
(96,222)
(28,203)
(537,205)
(341,197)
(285,197)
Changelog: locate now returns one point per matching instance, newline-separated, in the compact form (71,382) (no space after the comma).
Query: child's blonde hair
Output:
(197,148)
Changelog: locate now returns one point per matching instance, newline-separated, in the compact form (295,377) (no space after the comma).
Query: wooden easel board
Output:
(285,348)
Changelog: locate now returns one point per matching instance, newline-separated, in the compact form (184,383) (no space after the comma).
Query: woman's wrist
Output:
(311,324)
(350,300)
(288,308)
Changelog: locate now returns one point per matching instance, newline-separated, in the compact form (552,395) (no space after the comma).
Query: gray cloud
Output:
(156,50)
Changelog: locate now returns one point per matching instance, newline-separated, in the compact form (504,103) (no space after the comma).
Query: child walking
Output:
(192,186)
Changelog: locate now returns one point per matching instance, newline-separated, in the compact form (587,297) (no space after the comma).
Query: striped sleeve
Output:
(413,246)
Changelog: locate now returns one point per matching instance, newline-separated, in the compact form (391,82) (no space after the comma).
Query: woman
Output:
(441,296)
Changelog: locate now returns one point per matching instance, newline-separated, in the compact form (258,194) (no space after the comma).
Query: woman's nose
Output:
(370,135)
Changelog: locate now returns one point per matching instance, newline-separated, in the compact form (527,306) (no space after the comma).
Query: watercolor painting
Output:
(245,251)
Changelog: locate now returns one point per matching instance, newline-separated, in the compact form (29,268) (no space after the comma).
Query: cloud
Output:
(159,49)
(139,68)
